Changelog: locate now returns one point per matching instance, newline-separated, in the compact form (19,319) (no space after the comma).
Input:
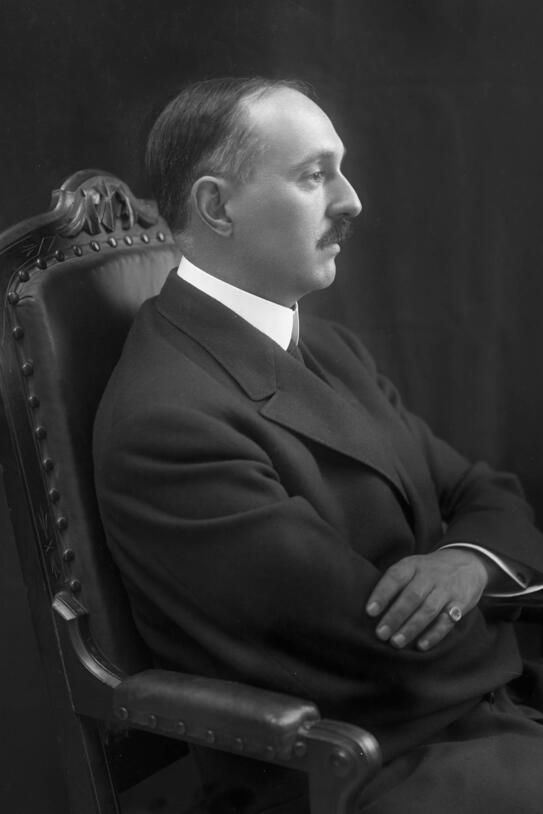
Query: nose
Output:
(344,201)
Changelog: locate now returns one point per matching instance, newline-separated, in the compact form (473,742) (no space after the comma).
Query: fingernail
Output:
(424,644)
(383,632)
(398,640)
(373,609)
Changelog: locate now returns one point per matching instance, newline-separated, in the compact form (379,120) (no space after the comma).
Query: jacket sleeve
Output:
(478,504)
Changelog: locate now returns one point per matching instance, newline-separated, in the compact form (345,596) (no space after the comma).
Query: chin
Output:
(327,275)
(319,278)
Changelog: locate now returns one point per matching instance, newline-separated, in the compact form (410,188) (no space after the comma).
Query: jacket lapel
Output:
(307,404)
(305,400)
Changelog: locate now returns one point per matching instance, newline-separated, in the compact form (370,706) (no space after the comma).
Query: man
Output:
(278,516)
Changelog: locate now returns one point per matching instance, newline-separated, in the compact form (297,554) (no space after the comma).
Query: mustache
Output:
(340,230)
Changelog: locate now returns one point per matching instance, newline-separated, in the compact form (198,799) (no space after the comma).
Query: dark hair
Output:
(204,130)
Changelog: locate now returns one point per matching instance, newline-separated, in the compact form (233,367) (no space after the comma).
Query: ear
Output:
(209,195)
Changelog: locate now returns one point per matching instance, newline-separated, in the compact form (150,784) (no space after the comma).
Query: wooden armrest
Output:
(339,758)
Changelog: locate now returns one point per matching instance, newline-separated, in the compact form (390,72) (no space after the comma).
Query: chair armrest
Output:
(339,758)
(214,712)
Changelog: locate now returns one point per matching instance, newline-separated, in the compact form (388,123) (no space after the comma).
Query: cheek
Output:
(284,212)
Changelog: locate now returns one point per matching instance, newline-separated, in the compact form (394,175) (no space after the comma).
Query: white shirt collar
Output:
(278,322)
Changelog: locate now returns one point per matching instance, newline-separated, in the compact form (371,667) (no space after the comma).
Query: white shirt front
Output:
(282,324)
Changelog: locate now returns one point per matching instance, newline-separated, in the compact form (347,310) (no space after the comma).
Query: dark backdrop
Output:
(440,105)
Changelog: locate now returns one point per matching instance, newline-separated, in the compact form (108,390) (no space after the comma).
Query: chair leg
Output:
(88,779)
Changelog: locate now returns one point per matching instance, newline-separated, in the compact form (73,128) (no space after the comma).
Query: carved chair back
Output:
(72,281)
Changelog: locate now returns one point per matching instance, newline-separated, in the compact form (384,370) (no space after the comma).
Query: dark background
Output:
(440,105)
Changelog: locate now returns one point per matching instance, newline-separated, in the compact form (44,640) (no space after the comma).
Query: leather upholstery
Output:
(266,724)
(76,300)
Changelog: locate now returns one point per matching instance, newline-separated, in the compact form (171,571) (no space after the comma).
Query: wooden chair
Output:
(72,280)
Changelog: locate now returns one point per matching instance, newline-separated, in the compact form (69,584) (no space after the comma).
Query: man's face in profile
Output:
(288,217)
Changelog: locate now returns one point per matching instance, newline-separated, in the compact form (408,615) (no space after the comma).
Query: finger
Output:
(408,602)
(437,632)
(423,616)
(390,584)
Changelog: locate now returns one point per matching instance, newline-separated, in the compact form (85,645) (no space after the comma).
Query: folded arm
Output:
(256,583)
(489,544)
(487,526)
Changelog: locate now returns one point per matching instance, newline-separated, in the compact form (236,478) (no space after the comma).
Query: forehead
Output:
(292,128)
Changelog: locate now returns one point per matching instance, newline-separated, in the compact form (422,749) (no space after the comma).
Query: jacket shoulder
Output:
(332,341)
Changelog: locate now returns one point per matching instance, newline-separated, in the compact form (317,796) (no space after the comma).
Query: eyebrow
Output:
(314,158)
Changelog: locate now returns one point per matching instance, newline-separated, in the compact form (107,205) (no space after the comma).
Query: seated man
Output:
(279,518)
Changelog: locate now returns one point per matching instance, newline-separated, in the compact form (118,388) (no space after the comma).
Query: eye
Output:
(316,176)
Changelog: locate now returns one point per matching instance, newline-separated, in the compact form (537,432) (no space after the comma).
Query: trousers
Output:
(489,760)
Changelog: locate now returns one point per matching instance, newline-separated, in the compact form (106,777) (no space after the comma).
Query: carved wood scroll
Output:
(100,203)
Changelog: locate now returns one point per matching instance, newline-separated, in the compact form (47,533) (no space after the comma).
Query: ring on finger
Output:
(454,613)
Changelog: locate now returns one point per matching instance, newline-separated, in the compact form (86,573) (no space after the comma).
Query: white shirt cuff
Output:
(521,575)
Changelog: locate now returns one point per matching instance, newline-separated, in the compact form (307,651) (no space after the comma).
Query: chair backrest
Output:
(72,281)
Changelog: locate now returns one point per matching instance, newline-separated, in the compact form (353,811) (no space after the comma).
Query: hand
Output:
(415,593)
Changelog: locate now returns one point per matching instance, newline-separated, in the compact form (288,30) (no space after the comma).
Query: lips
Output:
(338,233)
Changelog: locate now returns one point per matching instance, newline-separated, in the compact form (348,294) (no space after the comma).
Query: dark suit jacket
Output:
(252,504)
